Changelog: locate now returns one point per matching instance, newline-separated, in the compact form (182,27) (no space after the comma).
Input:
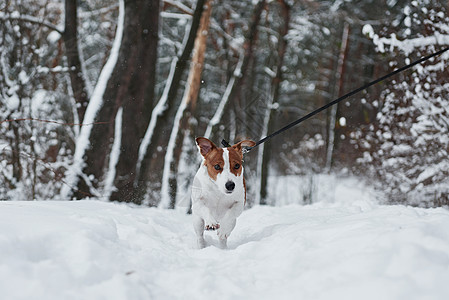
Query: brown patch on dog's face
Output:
(214,162)
(235,161)
(213,157)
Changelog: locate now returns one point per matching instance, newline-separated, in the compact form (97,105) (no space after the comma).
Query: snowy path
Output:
(96,250)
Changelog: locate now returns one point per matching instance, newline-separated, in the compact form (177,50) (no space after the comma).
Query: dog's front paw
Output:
(212,226)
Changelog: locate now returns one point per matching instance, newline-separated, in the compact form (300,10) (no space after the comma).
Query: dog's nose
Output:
(230,186)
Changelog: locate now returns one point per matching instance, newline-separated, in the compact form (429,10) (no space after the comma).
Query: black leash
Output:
(226,144)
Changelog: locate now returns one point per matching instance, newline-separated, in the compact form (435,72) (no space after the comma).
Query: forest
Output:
(104,99)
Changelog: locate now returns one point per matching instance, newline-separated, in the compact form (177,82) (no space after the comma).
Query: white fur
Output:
(212,205)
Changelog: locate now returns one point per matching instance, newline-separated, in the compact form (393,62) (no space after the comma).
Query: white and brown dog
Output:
(218,190)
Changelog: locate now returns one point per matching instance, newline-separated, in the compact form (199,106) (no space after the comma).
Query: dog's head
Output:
(224,165)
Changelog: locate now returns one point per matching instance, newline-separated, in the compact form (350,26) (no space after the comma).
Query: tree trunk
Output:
(126,85)
(185,112)
(339,90)
(225,98)
(266,147)
(238,88)
(150,174)
(70,37)
(15,141)
(139,99)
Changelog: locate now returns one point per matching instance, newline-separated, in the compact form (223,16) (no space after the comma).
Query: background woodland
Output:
(128,85)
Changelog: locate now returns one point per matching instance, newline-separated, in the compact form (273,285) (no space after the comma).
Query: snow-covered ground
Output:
(349,248)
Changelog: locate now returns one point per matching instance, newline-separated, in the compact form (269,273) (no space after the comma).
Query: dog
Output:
(218,189)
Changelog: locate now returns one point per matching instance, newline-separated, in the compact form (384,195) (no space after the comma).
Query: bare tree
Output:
(265,149)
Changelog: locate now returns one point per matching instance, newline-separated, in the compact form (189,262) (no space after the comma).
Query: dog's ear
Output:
(204,145)
(245,143)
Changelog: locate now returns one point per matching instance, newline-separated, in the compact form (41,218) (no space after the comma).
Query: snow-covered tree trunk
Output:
(86,166)
(126,80)
(185,112)
(215,120)
(273,104)
(138,104)
(152,162)
(237,88)
(338,92)
(72,52)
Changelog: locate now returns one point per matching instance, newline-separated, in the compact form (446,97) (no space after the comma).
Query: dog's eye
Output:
(217,167)
(236,166)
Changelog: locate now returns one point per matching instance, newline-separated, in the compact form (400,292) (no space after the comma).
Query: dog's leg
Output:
(198,225)
(228,222)
(223,243)
(227,225)
(203,211)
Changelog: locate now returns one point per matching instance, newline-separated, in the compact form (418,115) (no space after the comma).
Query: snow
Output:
(12,103)
(115,155)
(180,5)
(53,37)
(40,103)
(349,247)
(168,159)
(169,15)
(407,46)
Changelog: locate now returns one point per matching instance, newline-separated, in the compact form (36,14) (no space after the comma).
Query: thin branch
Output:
(168,15)
(30,19)
(224,100)
(52,122)
(101,11)
(180,6)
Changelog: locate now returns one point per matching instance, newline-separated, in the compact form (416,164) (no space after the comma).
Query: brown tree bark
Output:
(190,98)
(130,85)
(70,37)
(139,100)
(150,173)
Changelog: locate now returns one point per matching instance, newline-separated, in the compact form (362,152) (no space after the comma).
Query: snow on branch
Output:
(180,6)
(101,11)
(408,45)
(168,15)
(30,19)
